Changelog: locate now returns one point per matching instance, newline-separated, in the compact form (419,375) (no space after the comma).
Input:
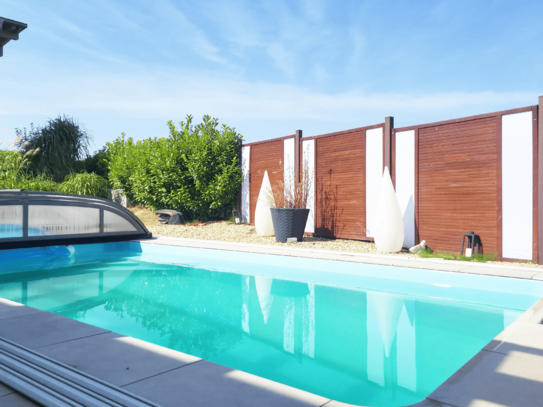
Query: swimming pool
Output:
(361,334)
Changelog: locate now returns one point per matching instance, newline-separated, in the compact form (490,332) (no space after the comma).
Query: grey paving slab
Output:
(423,403)
(245,249)
(208,384)
(43,328)
(276,252)
(5,390)
(16,400)
(9,309)
(324,256)
(302,253)
(495,379)
(117,359)
(428,265)
(524,338)
(357,259)
(498,271)
(534,314)
(431,403)
(399,261)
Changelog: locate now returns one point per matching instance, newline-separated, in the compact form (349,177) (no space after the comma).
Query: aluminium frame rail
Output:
(55,384)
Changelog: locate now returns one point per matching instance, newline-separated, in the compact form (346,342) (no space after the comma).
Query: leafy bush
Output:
(84,184)
(97,163)
(195,170)
(39,183)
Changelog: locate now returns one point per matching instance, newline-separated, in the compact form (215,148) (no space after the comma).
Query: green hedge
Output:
(195,169)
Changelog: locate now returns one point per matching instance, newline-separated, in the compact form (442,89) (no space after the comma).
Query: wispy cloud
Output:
(89,49)
(58,21)
(284,59)
(238,21)
(170,94)
(112,102)
(358,41)
(183,30)
(273,61)
(314,10)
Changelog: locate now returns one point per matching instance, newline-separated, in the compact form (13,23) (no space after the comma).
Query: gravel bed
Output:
(228,232)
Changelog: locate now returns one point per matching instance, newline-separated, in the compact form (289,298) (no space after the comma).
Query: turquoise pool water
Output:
(366,335)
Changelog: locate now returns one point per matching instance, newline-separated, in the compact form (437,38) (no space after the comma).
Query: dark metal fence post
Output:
(389,125)
(297,161)
(540,182)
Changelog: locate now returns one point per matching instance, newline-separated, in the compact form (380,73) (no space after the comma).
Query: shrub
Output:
(195,170)
(97,163)
(61,145)
(14,173)
(13,164)
(84,184)
(39,183)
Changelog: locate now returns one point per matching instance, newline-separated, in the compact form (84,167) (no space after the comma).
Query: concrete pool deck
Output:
(507,372)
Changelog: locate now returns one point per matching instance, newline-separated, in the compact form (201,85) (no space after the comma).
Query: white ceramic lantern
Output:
(263,218)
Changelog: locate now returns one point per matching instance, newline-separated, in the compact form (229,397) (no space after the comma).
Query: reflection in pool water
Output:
(353,345)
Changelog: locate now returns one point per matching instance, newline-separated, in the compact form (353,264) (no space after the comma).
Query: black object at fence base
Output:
(289,222)
(474,241)
(170,217)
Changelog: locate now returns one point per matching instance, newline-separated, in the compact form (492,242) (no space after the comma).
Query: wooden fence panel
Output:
(458,179)
(264,157)
(340,185)
(458,183)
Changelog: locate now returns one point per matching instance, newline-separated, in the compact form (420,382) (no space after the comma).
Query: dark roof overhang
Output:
(9,30)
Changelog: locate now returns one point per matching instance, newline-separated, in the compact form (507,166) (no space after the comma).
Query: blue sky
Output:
(266,68)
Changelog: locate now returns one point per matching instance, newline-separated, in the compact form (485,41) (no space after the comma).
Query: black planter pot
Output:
(289,222)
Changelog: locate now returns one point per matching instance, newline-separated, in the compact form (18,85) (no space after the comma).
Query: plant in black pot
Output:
(288,207)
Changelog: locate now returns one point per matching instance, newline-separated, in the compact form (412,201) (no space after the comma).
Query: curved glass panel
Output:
(46,220)
(116,223)
(34,219)
(11,221)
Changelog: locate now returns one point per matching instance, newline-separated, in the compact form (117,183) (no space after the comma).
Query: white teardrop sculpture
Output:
(388,225)
(389,308)
(263,218)
(263,291)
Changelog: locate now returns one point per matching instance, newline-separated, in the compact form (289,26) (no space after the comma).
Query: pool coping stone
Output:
(379,259)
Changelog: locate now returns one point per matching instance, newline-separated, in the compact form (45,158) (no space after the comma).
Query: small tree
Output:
(61,144)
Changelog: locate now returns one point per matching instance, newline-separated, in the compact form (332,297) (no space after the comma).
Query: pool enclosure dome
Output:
(32,219)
